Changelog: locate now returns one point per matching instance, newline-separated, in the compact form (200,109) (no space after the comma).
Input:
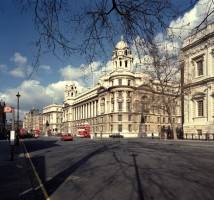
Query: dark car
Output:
(118,135)
(67,137)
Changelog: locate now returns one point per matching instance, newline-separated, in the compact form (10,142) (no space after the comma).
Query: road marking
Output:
(36,174)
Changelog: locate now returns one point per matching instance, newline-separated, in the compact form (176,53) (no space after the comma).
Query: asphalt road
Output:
(121,169)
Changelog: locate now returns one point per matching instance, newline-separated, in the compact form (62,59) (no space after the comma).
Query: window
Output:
(200,67)
(111,118)
(119,81)
(130,127)
(128,94)
(163,119)
(173,120)
(111,127)
(129,82)
(120,94)
(126,63)
(128,106)
(119,117)
(119,105)
(145,119)
(129,117)
(120,63)
(199,131)
(112,106)
(158,119)
(200,108)
(126,52)
(120,128)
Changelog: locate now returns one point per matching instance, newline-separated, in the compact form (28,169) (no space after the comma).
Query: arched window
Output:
(102,105)
(120,63)
(126,52)
(126,63)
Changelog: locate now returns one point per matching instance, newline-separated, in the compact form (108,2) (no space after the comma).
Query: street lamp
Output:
(17,134)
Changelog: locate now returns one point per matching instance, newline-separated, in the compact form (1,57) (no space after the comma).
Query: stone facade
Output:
(52,119)
(114,105)
(33,121)
(198,58)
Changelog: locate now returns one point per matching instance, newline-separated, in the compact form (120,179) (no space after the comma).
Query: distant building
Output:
(198,76)
(33,121)
(2,119)
(116,104)
(52,119)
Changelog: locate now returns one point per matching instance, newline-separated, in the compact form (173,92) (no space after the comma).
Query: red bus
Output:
(83,130)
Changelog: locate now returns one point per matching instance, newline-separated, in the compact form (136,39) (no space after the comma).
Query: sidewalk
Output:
(14,176)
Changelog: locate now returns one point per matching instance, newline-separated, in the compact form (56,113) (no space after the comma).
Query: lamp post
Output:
(17,134)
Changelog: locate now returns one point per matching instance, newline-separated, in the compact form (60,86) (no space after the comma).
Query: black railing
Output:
(193,136)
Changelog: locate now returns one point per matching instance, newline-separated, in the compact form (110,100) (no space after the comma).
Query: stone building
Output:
(114,105)
(2,119)
(33,121)
(52,119)
(198,76)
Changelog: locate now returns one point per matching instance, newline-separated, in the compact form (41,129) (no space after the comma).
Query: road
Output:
(125,169)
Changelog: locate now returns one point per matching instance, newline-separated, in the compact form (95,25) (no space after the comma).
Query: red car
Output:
(67,137)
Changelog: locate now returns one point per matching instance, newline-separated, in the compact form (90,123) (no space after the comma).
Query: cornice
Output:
(201,82)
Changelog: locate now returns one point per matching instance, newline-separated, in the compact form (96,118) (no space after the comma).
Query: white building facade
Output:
(112,106)
(198,57)
(52,119)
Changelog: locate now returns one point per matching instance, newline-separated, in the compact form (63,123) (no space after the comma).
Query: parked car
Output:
(117,135)
(67,137)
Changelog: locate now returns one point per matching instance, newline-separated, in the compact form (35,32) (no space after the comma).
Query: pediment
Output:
(198,95)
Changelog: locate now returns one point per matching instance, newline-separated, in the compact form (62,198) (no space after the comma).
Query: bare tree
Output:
(85,27)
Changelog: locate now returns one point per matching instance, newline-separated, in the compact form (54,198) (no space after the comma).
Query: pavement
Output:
(15,175)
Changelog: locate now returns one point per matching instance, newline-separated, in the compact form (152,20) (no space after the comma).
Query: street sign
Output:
(8,109)
(12,137)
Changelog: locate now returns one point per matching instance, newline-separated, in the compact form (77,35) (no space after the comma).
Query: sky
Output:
(46,86)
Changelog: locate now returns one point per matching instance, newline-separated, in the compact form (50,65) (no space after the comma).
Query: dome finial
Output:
(121,37)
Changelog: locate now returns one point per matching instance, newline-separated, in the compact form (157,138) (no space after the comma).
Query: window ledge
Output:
(198,77)
(199,117)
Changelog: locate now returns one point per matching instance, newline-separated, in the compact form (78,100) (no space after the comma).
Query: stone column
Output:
(124,101)
(115,102)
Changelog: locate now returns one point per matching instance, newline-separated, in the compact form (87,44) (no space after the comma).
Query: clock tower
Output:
(122,58)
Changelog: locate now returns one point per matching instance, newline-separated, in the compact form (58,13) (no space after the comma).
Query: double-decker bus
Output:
(83,130)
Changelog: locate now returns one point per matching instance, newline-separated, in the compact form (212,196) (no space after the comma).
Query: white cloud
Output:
(35,95)
(19,59)
(183,25)
(21,72)
(84,73)
(71,73)
(3,68)
(18,72)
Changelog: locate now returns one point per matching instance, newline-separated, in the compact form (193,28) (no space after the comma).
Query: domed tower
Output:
(70,93)
(122,57)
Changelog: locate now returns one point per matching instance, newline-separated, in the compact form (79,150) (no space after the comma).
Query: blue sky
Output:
(17,35)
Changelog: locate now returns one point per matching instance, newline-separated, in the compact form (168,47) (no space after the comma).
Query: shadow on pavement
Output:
(39,144)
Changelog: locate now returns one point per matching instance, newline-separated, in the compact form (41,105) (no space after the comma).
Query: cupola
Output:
(122,57)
